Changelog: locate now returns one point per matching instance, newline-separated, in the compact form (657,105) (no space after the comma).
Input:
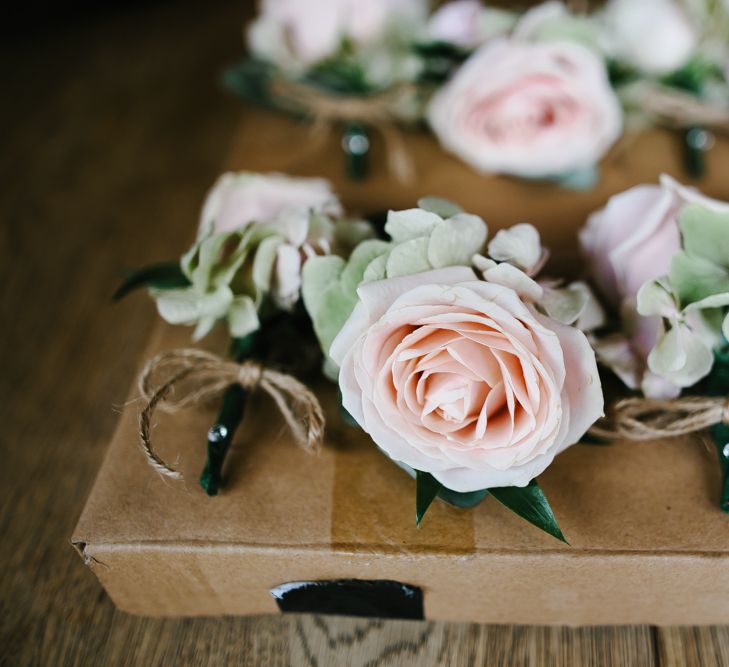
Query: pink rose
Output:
(629,242)
(238,199)
(460,378)
(633,239)
(530,109)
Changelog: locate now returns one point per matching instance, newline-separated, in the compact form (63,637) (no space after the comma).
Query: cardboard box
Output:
(649,544)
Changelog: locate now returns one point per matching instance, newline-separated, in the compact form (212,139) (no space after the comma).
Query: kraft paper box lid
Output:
(648,542)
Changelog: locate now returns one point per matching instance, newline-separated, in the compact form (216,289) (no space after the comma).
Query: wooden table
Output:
(115,129)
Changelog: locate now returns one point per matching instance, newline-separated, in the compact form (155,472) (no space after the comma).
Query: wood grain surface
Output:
(113,130)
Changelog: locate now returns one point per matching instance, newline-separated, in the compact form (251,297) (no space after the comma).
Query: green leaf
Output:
(250,80)
(693,76)
(530,503)
(339,75)
(427,488)
(164,276)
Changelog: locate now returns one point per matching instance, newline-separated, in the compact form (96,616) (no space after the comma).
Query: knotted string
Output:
(379,110)
(677,108)
(179,378)
(651,419)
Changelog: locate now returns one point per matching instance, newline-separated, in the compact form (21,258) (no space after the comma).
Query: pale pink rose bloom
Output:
(238,199)
(629,242)
(460,378)
(313,30)
(530,109)
(633,239)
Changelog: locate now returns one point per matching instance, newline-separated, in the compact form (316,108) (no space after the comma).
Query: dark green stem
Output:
(696,143)
(356,147)
(220,437)
(718,385)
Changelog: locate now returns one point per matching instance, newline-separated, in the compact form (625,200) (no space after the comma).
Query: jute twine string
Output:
(650,419)
(379,110)
(178,378)
(678,109)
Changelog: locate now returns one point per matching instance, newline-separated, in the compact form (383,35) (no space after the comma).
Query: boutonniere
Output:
(660,256)
(243,272)
(462,367)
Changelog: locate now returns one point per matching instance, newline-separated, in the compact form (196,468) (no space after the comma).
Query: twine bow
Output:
(178,378)
(676,108)
(650,419)
(379,110)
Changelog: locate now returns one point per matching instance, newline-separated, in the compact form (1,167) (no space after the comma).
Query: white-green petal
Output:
(318,274)
(520,245)
(713,301)
(325,301)
(509,276)
(705,233)
(565,304)
(725,327)
(208,258)
(615,352)
(210,270)
(362,256)
(482,263)
(694,278)
(455,241)
(264,261)
(335,308)
(203,328)
(440,206)
(187,306)
(188,261)
(348,233)
(376,269)
(592,316)
(681,357)
(242,317)
(408,258)
(654,299)
(410,224)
